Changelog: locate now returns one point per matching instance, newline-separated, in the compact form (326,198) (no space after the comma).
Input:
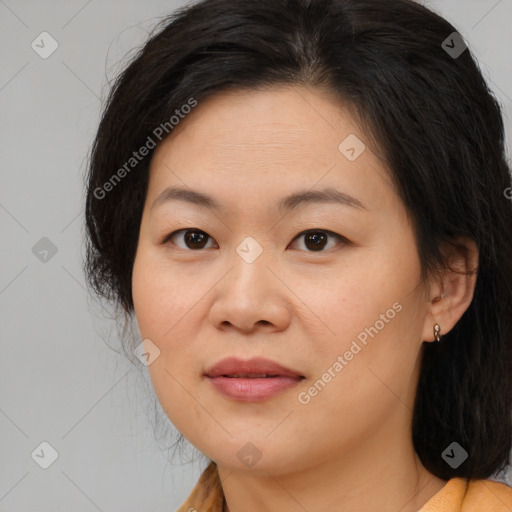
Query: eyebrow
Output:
(325,195)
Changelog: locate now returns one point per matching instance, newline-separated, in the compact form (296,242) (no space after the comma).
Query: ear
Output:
(452,292)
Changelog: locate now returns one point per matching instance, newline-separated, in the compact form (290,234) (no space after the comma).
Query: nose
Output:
(251,296)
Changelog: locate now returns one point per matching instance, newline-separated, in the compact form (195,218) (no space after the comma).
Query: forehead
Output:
(266,119)
(263,141)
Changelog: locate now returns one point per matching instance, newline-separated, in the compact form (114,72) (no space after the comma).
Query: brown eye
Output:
(194,238)
(316,240)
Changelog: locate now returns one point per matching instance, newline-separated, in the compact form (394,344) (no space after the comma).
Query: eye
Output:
(314,239)
(194,238)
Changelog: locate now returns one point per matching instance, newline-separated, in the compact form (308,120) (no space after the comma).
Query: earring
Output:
(437,332)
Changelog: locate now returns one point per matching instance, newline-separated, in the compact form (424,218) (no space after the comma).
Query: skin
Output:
(350,447)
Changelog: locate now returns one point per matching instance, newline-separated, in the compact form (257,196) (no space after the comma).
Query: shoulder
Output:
(463,495)
(489,495)
(207,495)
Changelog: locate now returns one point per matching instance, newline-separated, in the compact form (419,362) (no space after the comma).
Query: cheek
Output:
(161,296)
(372,313)
(355,296)
(166,306)
(162,313)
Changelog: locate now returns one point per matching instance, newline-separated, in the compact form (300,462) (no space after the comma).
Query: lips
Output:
(255,380)
(251,369)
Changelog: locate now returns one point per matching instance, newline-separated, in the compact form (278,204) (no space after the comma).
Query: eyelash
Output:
(341,238)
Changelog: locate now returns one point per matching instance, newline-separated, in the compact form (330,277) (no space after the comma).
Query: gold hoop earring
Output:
(437,332)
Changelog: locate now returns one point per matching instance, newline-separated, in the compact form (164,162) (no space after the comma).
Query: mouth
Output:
(256,368)
(252,381)
(252,376)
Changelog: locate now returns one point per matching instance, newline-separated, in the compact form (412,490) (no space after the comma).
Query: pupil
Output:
(317,239)
(195,237)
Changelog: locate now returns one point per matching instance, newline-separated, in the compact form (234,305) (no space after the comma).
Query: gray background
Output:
(59,381)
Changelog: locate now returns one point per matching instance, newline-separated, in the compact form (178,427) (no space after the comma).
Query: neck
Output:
(380,475)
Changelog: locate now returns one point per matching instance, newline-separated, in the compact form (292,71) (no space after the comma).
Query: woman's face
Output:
(347,312)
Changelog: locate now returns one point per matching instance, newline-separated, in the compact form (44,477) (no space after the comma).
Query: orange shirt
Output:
(458,495)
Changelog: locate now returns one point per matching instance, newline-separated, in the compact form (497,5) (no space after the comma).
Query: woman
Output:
(303,203)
